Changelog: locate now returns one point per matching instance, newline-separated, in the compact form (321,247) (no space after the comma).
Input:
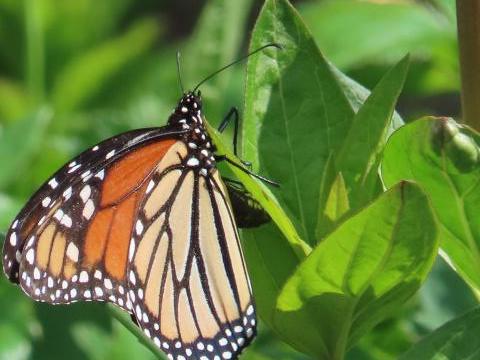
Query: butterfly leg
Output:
(219,158)
(233,115)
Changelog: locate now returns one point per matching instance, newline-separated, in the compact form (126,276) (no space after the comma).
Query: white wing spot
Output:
(85,174)
(30,256)
(53,183)
(131,250)
(73,169)
(95,148)
(72,252)
(46,201)
(97,274)
(58,214)
(100,174)
(132,278)
(67,193)
(83,277)
(150,186)
(193,162)
(13,239)
(66,220)
(139,227)
(110,154)
(108,284)
(98,291)
(85,193)
(88,209)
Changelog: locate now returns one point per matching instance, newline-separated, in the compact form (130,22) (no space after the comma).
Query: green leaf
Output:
(359,274)
(19,142)
(357,94)
(457,339)
(443,158)
(82,78)
(336,205)
(359,155)
(411,26)
(296,113)
(269,270)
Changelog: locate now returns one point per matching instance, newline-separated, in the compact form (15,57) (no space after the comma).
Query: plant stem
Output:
(35,65)
(124,319)
(468,20)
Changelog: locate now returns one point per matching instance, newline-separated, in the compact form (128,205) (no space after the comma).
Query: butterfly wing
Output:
(70,241)
(193,295)
(140,229)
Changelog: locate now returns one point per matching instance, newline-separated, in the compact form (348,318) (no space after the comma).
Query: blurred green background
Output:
(73,72)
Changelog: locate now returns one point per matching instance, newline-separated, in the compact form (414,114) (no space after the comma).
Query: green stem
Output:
(35,65)
(125,320)
(468,20)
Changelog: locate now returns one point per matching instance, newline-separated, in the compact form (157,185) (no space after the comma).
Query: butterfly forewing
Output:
(73,174)
(72,238)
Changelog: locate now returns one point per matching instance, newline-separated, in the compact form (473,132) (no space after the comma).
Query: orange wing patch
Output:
(131,170)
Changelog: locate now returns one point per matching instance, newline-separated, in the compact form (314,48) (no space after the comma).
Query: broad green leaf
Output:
(357,94)
(456,340)
(443,158)
(359,155)
(270,262)
(262,194)
(411,26)
(296,113)
(337,204)
(19,143)
(330,174)
(81,79)
(215,42)
(365,269)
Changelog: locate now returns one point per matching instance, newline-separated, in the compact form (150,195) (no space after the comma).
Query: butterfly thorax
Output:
(188,116)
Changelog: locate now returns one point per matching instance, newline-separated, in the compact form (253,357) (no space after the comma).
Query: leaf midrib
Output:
(291,149)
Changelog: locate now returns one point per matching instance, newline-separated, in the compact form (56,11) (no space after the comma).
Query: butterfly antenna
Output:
(278,46)
(179,73)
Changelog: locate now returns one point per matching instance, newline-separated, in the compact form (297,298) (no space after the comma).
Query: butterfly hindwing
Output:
(193,296)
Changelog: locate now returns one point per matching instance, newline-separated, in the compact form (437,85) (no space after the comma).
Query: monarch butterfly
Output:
(143,220)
